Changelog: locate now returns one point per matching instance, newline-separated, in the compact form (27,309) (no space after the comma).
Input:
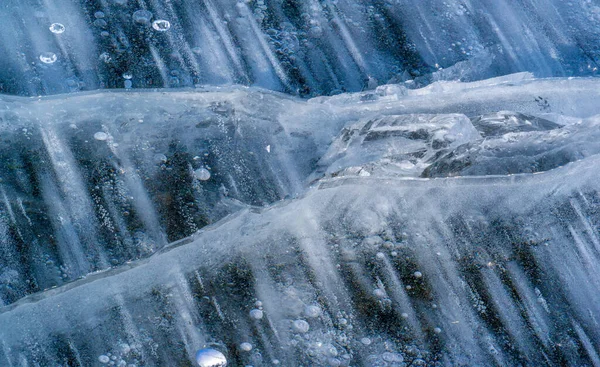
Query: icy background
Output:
(299,183)
(217,218)
(304,47)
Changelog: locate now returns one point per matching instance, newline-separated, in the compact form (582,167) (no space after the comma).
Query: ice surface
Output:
(288,253)
(302,47)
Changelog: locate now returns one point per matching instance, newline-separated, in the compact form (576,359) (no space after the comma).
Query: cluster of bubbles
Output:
(50,57)
(119,358)
(260,11)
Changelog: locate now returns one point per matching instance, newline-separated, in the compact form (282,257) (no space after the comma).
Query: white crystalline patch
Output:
(48,57)
(57,28)
(100,135)
(161,25)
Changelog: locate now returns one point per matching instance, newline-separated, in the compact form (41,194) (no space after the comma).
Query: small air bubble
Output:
(142,16)
(161,25)
(48,57)
(246,347)
(256,314)
(210,358)
(301,326)
(100,136)
(202,174)
(57,28)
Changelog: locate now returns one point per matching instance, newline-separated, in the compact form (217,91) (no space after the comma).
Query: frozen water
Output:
(304,48)
(473,240)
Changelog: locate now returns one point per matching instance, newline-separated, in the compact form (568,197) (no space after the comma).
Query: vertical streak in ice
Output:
(587,344)
(177,41)
(350,45)
(187,318)
(5,352)
(11,214)
(71,184)
(396,290)
(586,224)
(129,326)
(226,39)
(509,314)
(142,202)
(160,65)
(265,47)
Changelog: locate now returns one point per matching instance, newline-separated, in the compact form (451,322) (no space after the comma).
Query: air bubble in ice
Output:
(99,14)
(142,16)
(246,347)
(365,341)
(437,330)
(256,314)
(57,28)
(160,158)
(100,136)
(161,25)
(127,75)
(301,326)
(100,23)
(48,57)
(404,315)
(392,357)
(378,292)
(125,348)
(418,274)
(210,358)
(103,359)
(128,84)
(312,311)
(202,174)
